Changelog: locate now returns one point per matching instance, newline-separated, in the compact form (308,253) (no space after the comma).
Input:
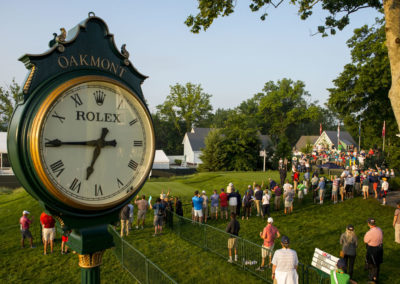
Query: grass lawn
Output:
(308,227)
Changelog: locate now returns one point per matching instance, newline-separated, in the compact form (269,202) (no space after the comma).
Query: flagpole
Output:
(384,135)
(359,137)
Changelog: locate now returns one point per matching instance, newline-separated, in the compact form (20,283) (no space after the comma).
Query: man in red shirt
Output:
(269,234)
(223,201)
(25,233)
(49,231)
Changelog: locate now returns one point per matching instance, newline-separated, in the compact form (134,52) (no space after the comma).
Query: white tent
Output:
(161,160)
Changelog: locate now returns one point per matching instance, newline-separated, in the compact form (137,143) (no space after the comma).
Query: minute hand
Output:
(58,143)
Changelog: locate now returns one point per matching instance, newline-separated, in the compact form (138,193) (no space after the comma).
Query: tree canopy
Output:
(9,97)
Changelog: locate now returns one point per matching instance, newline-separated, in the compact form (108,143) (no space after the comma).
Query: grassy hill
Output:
(310,226)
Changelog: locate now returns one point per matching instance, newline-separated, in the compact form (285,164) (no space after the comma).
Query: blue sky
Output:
(232,60)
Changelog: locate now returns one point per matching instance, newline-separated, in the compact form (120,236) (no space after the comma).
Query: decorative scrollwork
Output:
(29,80)
(91,260)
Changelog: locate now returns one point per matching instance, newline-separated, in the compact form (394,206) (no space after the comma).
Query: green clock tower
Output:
(82,141)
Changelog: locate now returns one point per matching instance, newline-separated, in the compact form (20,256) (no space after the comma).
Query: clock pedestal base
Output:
(90,267)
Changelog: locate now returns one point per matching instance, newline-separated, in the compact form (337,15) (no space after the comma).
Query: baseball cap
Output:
(25,212)
(350,227)
(203,191)
(285,240)
(371,221)
(270,220)
(230,184)
(249,186)
(341,263)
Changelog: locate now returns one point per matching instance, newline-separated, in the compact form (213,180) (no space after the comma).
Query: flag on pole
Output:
(384,129)
(320,129)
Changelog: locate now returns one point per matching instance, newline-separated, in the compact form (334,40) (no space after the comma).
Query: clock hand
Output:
(58,143)
(100,143)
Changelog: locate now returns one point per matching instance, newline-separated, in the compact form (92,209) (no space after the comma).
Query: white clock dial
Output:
(96,144)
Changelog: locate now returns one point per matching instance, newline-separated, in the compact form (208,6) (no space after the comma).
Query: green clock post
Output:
(82,141)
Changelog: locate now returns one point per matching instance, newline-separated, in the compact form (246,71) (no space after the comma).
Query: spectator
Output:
(341,189)
(125,212)
(272,183)
(384,191)
(224,203)
(178,206)
(258,194)
(205,205)
(349,243)
(214,205)
(25,222)
(314,185)
(288,196)
(339,276)
(265,203)
(307,179)
(374,257)
(198,207)
(142,205)
(365,187)
(357,183)
(335,188)
(233,228)
(278,192)
(247,201)
(284,264)
(296,178)
(282,174)
(349,181)
(64,240)
(396,223)
(229,188)
(373,179)
(49,231)
(130,216)
(159,210)
(269,234)
(321,190)
(301,187)
(233,201)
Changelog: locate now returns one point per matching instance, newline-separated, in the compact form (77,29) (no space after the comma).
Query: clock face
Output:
(94,143)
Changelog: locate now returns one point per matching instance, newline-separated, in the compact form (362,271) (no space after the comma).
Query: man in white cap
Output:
(205,205)
(284,264)
(25,233)
(269,234)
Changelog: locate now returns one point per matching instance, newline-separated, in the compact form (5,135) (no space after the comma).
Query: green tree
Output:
(285,106)
(187,104)
(360,92)
(283,150)
(167,137)
(213,155)
(9,97)
(339,12)
(241,145)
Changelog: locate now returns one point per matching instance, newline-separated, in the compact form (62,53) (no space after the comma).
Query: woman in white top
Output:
(265,203)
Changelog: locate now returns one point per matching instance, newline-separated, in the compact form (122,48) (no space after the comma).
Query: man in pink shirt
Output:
(269,234)
(374,240)
(25,233)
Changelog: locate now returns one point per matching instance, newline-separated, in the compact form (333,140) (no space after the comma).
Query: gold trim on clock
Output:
(34,136)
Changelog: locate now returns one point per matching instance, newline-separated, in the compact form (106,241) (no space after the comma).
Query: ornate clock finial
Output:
(125,54)
(62,36)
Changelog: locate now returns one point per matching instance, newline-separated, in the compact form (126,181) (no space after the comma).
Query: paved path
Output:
(392,198)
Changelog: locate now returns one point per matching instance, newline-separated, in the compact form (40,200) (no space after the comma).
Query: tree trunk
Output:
(392,17)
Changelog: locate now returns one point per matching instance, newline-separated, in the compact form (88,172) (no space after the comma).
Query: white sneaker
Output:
(137,227)
(230,260)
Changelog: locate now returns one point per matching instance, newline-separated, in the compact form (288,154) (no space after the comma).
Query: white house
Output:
(161,160)
(5,167)
(329,139)
(193,142)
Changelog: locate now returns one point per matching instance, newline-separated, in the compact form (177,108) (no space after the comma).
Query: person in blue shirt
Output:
(321,188)
(159,210)
(198,207)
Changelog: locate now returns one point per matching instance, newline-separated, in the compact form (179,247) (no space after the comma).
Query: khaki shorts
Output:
(214,209)
(232,243)
(267,251)
(141,215)
(365,188)
(49,234)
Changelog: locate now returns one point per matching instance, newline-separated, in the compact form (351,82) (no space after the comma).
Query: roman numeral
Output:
(75,185)
(133,165)
(120,104)
(57,167)
(138,143)
(77,100)
(61,118)
(98,190)
(133,122)
(119,183)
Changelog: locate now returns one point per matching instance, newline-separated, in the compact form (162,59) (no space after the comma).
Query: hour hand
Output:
(58,143)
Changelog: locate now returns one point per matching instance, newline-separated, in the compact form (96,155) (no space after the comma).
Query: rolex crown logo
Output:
(99,96)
